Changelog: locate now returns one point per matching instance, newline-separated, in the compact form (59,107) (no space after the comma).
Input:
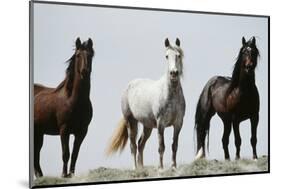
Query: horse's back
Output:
(216,93)
(140,88)
(45,120)
(38,88)
(137,100)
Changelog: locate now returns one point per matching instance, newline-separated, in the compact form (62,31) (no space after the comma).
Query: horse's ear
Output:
(78,43)
(167,43)
(90,43)
(178,42)
(254,41)
(243,41)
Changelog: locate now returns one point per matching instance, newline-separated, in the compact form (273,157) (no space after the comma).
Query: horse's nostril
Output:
(174,73)
(248,67)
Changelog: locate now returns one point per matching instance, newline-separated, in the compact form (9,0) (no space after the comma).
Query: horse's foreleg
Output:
(65,151)
(237,138)
(38,142)
(161,141)
(141,143)
(76,147)
(225,138)
(254,124)
(177,129)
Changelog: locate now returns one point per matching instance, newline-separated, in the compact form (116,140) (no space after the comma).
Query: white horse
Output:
(156,104)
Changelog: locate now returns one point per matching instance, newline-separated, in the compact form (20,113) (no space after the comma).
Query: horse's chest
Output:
(232,100)
(247,105)
(168,112)
(243,104)
(76,116)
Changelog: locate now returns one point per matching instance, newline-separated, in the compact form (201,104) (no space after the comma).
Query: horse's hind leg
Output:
(132,133)
(141,143)
(76,147)
(65,151)
(237,138)
(202,130)
(204,113)
(38,142)
(254,124)
(201,135)
(225,138)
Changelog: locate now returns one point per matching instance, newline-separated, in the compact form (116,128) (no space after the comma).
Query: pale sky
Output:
(129,44)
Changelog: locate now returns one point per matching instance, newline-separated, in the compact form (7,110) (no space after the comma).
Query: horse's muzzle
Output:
(249,68)
(174,75)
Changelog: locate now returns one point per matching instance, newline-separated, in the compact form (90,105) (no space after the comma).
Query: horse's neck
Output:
(243,84)
(80,89)
(247,82)
(170,90)
(242,90)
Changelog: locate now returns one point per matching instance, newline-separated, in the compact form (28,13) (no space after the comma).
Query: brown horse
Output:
(234,99)
(66,109)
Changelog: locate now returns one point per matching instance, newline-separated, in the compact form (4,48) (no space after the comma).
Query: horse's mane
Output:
(237,67)
(69,76)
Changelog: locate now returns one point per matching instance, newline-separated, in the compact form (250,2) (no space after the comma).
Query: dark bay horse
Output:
(234,99)
(66,109)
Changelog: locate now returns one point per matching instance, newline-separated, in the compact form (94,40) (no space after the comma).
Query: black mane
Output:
(237,66)
(69,76)
(70,70)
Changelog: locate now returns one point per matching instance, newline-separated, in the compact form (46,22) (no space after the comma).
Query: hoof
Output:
(160,168)
(140,167)
(237,158)
(65,175)
(38,175)
(200,154)
(70,175)
(174,168)
(198,158)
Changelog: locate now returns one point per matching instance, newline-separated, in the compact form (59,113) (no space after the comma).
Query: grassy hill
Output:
(199,167)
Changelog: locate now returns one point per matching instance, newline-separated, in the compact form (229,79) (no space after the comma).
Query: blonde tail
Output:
(119,138)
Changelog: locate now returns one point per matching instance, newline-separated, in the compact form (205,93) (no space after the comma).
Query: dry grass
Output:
(196,168)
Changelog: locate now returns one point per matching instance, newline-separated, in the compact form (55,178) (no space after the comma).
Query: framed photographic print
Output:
(125,94)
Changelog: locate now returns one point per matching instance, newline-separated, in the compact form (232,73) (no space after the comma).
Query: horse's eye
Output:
(179,56)
(166,56)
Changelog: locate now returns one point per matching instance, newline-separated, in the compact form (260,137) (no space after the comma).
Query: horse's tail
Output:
(201,131)
(202,118)
(119,138)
